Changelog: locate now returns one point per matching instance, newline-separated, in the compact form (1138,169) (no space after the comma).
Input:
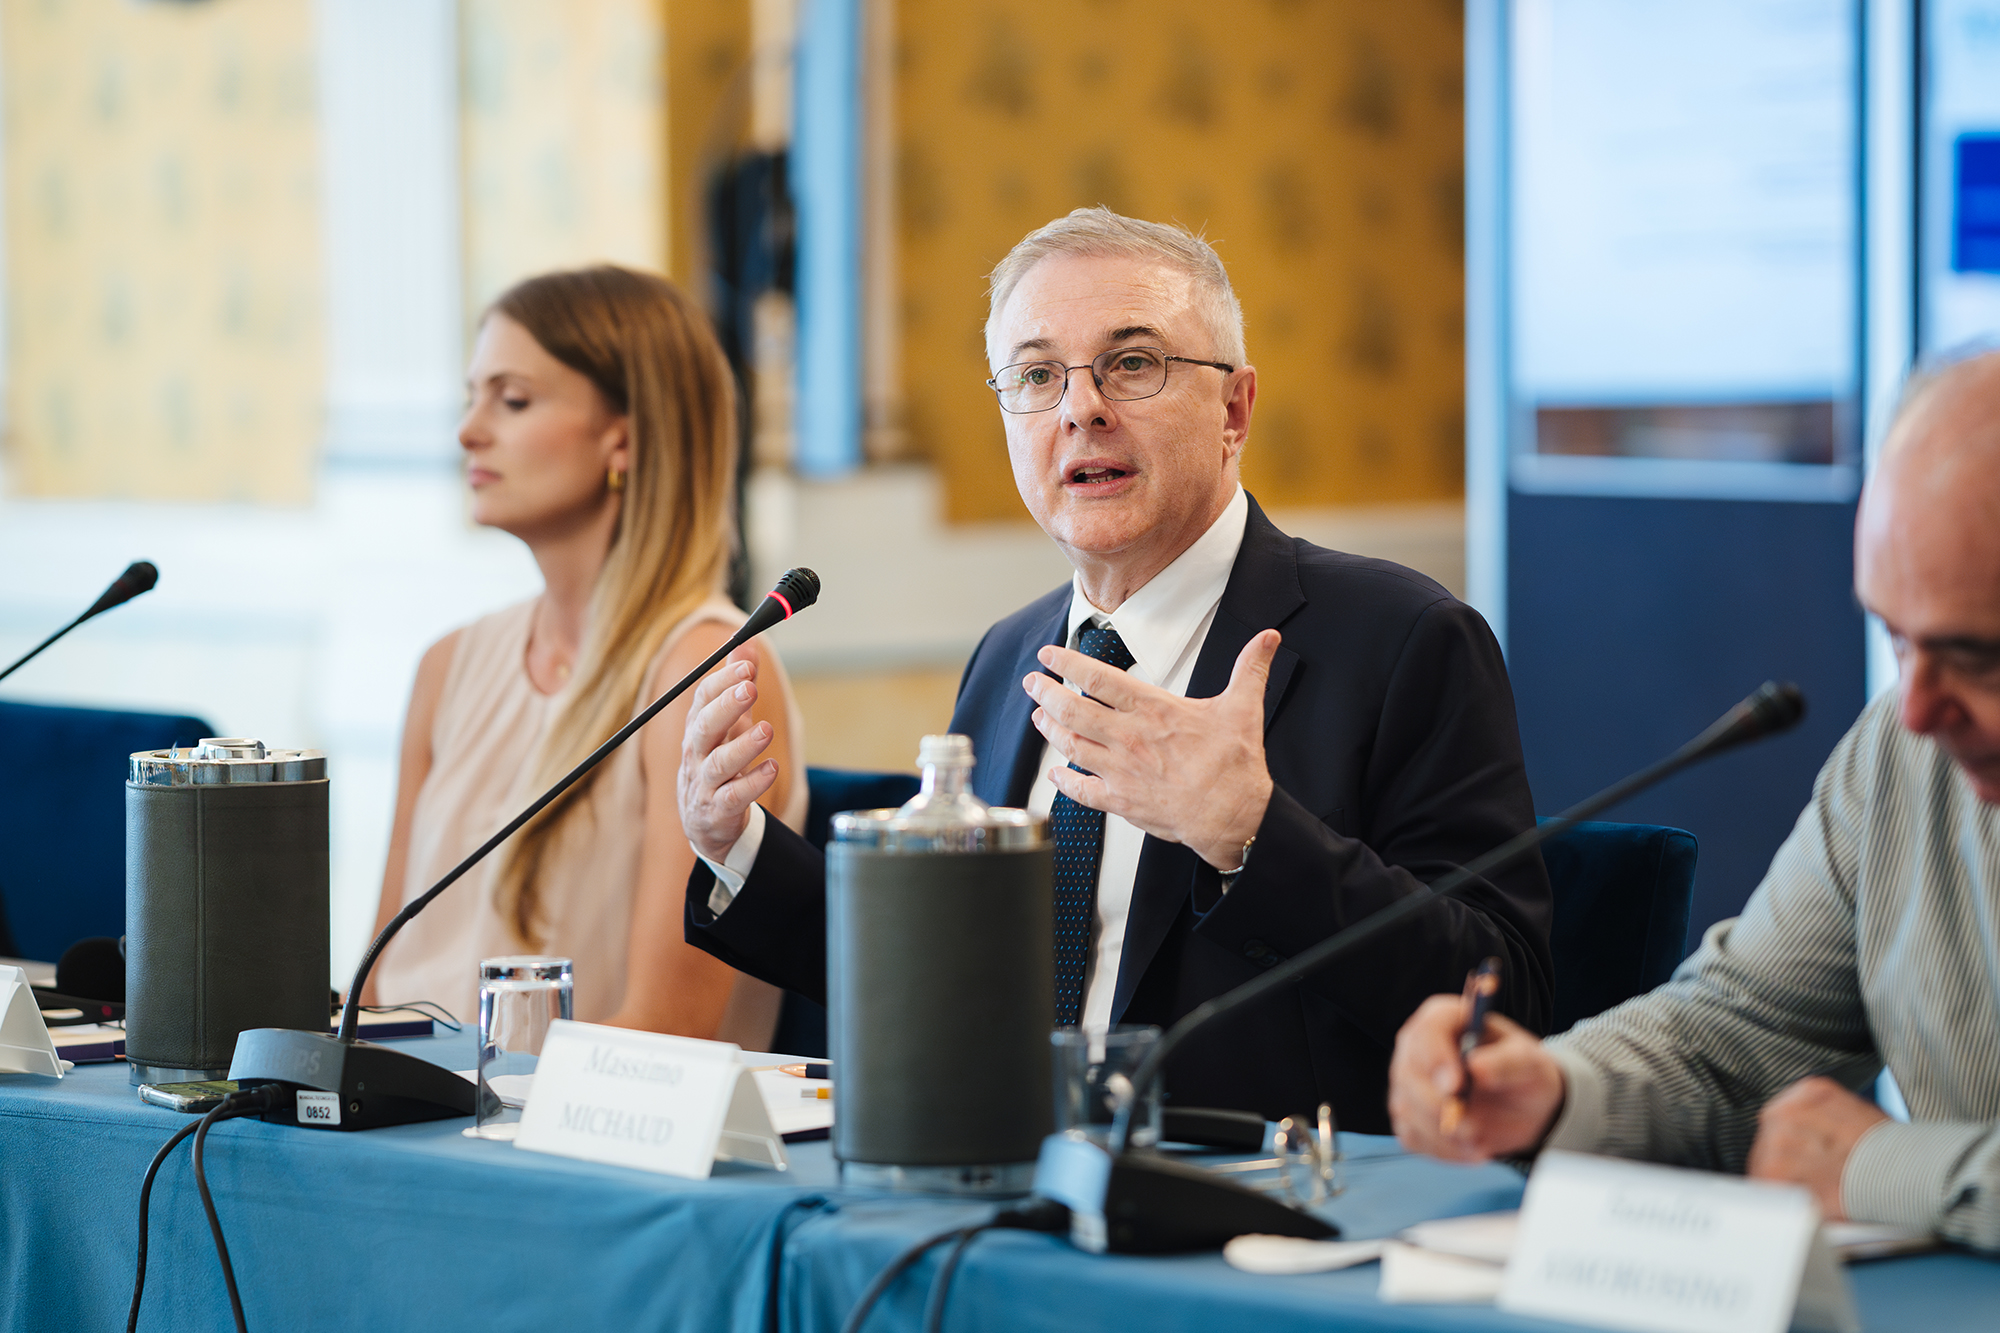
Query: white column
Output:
(388,79)
(1486,312)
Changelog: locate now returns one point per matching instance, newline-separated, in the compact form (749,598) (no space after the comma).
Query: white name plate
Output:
(641,1099)
(25,1045)
(1662,1250)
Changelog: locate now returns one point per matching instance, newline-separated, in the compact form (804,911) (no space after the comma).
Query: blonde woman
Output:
(600,431)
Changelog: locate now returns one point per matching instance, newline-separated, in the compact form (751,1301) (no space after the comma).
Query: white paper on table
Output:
(1412,1276)
(790,1110)
(25,1047)
(1855,1242)
(1491,1237)
(1255,1253)
(1487,1237)
(88,1043)
(511,1089)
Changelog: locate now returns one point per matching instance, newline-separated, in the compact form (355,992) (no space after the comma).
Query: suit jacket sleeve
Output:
(775,929)
(1445,782)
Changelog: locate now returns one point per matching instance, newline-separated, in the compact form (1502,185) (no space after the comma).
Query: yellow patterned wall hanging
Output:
(564,138)
(1318,143)
(162,249)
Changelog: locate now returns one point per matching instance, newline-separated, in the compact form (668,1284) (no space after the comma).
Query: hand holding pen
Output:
(1482,986)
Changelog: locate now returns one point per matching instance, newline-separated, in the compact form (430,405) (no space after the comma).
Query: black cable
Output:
(145,1197)
(430,1009)
(941,1284)
(1035,1215)
(250,1101)
(215,1223)
(897,1267)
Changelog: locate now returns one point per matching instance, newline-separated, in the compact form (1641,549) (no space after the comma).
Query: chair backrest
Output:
(802,1023)
(834,790)
(62,817)
(1621,912)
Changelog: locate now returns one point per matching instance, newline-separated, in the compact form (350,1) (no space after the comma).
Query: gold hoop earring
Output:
(615,480)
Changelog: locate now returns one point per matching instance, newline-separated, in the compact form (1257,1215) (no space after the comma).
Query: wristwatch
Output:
(1229,876)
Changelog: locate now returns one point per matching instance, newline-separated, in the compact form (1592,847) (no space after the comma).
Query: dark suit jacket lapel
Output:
(1007,777)
(1263,591)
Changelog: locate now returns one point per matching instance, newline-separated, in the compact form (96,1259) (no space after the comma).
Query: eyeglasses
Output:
(1309,1157)
(1308,1160)
(1121,375)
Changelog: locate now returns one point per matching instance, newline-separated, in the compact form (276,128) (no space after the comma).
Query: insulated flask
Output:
(941,986)
(225,903)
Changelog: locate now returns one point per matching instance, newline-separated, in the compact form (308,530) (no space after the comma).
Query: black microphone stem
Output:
(350,1015)
(30,656)
(139,576)
(1772,708)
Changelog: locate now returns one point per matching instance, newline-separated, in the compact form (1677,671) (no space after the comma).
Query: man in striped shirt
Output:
(1874,938)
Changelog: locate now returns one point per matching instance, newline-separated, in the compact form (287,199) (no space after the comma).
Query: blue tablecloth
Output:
(420,1228)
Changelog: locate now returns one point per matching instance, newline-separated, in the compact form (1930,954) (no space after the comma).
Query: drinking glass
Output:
(519,996)
(1093,1075)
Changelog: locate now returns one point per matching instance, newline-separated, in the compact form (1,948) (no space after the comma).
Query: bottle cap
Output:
(945,752)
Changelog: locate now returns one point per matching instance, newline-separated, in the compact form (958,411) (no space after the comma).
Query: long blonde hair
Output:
(653,356)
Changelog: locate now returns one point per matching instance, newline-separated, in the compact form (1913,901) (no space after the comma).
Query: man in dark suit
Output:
(1280,739)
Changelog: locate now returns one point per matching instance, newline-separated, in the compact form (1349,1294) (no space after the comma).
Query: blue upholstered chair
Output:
(1621,901)
(62,819)
(1621,904)
(802,1023)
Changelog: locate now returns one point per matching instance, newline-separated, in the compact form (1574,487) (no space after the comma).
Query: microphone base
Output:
(1147,1203)
(371,1086)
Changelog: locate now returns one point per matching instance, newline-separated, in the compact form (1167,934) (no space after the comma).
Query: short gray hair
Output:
(1099,232)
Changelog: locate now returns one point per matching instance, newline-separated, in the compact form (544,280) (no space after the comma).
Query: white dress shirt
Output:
(1163,625)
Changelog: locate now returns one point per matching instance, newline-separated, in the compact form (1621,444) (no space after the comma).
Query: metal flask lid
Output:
(225,759)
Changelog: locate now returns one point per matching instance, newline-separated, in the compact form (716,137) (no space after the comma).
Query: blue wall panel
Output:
(826,174)
(1633,623)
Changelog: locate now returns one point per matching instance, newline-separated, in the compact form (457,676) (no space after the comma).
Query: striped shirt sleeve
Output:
(1772,997)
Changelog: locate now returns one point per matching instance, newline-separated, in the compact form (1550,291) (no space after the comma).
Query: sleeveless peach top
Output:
(489,727)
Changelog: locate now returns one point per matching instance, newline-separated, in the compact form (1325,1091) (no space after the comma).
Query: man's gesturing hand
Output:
(1517,1086)
(718,784)
(1805,1135)
(1187,770)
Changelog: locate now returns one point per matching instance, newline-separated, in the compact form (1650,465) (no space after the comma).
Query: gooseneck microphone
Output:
(378,1085)
(139,576)
(1132,1203)
(796,591)
(1773,708)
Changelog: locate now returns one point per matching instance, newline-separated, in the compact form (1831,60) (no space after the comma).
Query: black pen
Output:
(1482,984)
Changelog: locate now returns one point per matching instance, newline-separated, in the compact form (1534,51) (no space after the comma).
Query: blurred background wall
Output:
(163,251)
(246,243)
(1318,146)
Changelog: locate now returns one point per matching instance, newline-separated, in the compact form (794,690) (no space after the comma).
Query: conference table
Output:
(417,1227)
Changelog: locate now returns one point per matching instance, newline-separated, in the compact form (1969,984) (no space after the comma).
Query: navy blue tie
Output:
(1079,840)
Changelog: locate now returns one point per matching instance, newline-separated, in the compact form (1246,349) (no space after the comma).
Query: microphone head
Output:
(1776,706)
(798,589)
(139,576)
(795,592)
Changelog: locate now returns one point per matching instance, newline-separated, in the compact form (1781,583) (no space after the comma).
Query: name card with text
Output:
(641,1099)
(1662,1250)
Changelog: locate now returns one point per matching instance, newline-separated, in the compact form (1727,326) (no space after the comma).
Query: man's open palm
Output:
(1190,771)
